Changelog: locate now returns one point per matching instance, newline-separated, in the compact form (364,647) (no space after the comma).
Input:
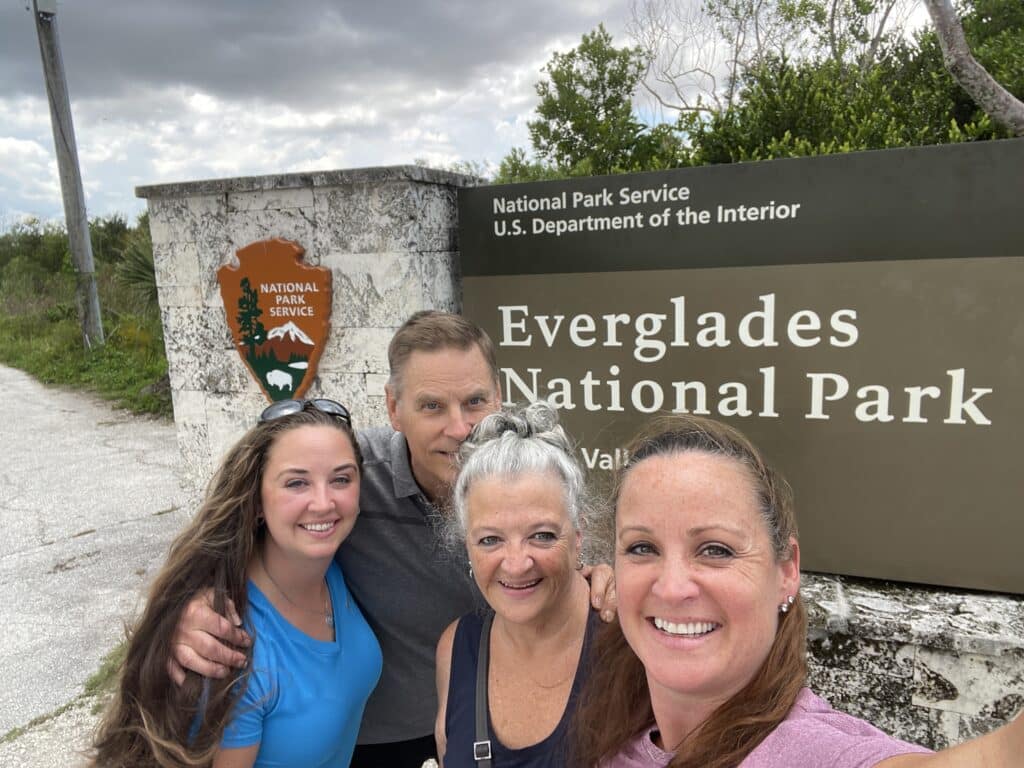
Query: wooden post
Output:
(70,178)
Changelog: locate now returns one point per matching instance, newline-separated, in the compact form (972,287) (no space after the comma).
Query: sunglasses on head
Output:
(322,404)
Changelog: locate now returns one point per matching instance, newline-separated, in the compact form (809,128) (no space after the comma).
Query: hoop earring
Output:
(579,561)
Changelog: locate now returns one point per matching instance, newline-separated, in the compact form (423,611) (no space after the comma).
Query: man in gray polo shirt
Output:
(444,379)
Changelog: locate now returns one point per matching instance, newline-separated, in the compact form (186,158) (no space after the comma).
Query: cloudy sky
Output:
(175,90)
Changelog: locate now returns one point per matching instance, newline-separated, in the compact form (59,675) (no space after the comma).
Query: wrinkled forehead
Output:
(450,368)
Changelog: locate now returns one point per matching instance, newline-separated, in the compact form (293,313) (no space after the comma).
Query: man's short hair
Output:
(431,330)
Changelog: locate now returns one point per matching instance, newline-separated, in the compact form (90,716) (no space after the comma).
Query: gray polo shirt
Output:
(409,584)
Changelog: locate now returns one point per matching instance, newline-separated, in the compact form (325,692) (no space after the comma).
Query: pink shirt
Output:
(813,735)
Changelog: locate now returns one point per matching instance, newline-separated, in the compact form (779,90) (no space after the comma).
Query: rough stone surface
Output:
(388,236)
(931,666)
(272,183)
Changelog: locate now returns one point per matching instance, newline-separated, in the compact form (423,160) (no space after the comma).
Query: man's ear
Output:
(392,403)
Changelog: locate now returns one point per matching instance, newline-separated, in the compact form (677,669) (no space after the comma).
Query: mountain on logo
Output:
(290,331)
(287,342)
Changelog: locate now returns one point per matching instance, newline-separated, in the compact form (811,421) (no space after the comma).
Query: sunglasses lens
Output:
(288,407)
(281,408)
(332,407)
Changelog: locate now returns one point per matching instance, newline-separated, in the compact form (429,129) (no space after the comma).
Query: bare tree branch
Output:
(1001,105)
(833,43)
(876,39)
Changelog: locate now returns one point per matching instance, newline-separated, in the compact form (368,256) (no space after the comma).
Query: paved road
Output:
(89,501)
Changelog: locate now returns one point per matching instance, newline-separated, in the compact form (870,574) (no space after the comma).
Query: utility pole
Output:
(45,13)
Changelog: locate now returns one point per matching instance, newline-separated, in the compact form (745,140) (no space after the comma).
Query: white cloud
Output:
(165,92)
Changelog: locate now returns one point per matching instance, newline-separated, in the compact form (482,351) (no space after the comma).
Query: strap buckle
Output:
(482,750)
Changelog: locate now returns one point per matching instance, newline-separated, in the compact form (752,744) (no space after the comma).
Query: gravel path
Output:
(89,501)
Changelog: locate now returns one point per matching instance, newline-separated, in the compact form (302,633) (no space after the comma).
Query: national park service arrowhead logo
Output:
(279,312)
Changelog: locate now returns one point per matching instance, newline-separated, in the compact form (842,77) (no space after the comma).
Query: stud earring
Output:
(784,607)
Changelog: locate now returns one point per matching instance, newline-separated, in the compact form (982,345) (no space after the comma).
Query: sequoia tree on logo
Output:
(271,287)
(250,329)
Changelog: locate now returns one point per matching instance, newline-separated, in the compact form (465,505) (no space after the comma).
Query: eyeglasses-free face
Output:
(322,404)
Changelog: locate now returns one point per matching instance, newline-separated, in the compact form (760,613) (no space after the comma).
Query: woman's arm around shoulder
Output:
(1003,748)
(444,669)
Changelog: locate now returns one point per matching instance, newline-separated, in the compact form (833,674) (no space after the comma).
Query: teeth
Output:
(318,527)
(520,586)
(692,628)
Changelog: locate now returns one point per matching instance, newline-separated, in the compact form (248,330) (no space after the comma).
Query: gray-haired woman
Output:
(519,502)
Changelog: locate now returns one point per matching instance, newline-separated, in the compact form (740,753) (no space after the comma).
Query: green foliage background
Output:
(39,327)
(810,99)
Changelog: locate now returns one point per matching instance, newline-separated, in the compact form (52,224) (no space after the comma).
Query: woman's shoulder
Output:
(815,734)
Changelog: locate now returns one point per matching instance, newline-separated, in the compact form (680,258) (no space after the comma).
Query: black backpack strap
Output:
(482,745)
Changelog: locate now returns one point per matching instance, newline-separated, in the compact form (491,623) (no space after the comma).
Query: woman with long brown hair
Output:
(706,667)
(284,498)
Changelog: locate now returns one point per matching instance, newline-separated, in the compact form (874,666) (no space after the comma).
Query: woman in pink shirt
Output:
(706,665)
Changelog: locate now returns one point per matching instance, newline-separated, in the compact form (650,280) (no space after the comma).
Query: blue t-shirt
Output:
(305,697)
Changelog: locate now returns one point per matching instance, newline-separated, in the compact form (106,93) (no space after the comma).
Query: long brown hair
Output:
(151,721)
(615,705)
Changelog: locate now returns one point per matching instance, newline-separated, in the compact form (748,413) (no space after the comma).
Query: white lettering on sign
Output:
(757,328)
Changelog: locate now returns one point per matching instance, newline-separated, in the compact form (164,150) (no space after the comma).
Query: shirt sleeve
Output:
(246,725)
(867,752)
(815,735)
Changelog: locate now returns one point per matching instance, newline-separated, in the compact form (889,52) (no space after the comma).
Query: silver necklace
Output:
(326,612)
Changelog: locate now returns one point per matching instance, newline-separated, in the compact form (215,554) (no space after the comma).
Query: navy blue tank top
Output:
(460,716)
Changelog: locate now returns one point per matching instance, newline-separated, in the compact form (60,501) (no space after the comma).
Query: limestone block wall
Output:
(933,666)
(387,234)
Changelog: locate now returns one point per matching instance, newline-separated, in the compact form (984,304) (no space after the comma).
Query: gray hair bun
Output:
(536,420)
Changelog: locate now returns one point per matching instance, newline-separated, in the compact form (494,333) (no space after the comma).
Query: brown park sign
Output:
(860,316)
(279,312)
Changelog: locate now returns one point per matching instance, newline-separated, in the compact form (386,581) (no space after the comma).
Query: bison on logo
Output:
(279,312)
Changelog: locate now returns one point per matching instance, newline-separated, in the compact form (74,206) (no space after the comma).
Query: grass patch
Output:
(102,682)
(39,328)
(35,722)
(123,370)
(99,687)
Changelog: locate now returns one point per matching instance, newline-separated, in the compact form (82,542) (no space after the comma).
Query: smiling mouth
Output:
(525,585)
(685,628)
(318,527)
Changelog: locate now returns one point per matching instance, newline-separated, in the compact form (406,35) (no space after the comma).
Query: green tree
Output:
(110,236)
(824,105)
(516,166)
(135,269)
(586,122)
(698,55)
(983,53)
(252,330)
